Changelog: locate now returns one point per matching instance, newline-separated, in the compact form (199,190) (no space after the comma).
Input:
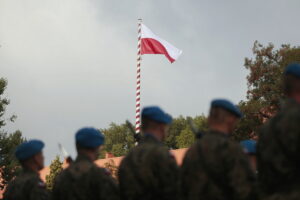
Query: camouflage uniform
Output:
(216,168)
(149,172)
(278,158)
(83,180)
(149,139)
(27,186)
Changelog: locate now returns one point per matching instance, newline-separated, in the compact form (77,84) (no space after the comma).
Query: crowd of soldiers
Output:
(215,167)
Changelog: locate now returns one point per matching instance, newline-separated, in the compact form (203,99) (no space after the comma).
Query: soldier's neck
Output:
(220,128)
(32,168)
(86,156)
(155,134)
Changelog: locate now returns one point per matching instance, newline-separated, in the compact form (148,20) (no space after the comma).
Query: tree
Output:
(55,169)
(118,140)
(3,103)
(186,137)
(264,92)
(177,126)
(9,166)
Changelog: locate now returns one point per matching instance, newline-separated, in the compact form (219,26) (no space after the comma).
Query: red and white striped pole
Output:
(138,82)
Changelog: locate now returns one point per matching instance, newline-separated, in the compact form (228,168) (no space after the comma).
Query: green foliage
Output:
(3,101)
(264,85)
(178,125)
(118,140)
(55,169)
(9,165)
(186,137)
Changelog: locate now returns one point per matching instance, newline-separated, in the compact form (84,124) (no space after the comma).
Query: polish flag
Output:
(152,44)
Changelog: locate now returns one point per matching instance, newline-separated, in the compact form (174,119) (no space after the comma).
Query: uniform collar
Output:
(219,133)
(149,138)
(29,171)
(83,158)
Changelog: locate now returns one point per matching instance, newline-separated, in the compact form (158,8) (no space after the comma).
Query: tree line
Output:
(263,99)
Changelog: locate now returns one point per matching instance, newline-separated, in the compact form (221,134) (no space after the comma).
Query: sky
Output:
(72,63)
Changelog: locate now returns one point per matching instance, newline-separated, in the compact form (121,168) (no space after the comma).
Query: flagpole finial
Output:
(140,20)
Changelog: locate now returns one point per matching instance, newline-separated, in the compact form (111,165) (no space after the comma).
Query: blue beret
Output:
(293,69)
(249,146)
(227,105)
(89,137)
(156,114)
(29,149)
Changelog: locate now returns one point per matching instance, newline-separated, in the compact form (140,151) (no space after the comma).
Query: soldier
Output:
(291,80)
(215,167)
(28,186)
(278,146)
(83,179)
(249,147)
(149,171)
(278,156)
(155,125)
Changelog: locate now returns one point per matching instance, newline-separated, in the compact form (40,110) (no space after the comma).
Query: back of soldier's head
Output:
(223,115)
(147,172)
(154,116)
(291,81)
(218,115)
(30,154)
(88,141)
(149,124)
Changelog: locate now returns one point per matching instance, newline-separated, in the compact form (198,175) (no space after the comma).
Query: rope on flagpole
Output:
(138,82)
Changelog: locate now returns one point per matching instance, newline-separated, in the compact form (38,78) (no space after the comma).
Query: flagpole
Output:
(138,83)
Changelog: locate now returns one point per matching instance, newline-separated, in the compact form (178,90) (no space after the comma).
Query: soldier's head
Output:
(156,122)
(249,147)
(89,142)
(30,155)
(223,116)
(291,81)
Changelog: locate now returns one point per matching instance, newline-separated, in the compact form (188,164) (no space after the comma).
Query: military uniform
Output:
(149,171)
(216,168)
(27,186)
(278,154)
(149,139)
(84,180)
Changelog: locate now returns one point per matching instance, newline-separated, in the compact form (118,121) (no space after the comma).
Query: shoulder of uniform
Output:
(26,176)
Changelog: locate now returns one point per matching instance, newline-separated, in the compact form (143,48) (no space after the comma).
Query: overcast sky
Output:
(72,63)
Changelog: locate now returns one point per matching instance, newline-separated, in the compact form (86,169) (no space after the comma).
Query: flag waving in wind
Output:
(152,44)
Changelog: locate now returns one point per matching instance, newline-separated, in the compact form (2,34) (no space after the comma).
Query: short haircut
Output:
(291,83)
(25,162)
(79,147)
(149,123)
(218,115)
